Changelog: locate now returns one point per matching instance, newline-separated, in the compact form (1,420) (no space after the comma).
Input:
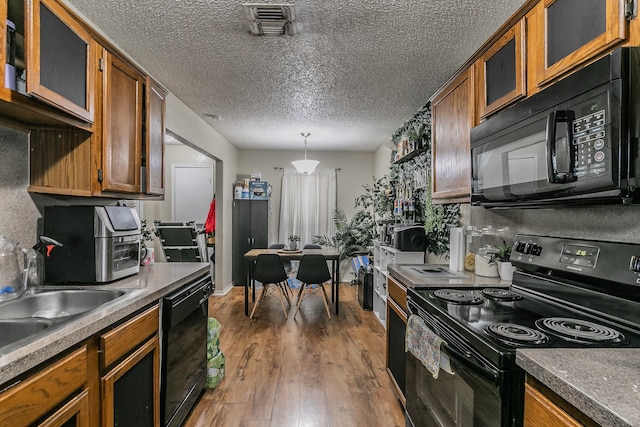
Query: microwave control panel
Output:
(589,140)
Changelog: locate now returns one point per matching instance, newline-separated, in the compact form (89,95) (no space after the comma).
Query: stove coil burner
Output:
(501,294)
(457,297)
(513,334)
(580,331)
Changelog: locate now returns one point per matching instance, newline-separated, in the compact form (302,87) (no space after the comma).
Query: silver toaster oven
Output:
(100,244)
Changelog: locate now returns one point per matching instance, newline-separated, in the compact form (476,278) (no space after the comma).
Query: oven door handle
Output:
(474,363)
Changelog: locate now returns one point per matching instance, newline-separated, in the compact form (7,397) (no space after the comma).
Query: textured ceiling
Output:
(352,75)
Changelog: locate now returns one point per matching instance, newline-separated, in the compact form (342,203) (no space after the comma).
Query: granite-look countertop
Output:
(149,285)
(602,383)
(469,280)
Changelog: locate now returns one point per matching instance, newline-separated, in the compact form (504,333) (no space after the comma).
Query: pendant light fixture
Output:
(305,166)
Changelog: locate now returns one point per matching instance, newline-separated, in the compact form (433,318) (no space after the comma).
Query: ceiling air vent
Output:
(270,19)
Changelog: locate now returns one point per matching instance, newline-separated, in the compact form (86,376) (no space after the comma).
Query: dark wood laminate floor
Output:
(312,371)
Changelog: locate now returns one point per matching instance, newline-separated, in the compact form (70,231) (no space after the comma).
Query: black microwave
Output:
(573,143)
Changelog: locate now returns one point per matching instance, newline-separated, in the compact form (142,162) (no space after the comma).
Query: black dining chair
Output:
(269,270)
(313,273)
(312,246)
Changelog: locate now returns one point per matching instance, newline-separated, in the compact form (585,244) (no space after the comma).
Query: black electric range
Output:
(566,293)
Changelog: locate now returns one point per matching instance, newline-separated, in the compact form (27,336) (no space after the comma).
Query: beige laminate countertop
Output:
(470,279)
(603,383)
(150,285)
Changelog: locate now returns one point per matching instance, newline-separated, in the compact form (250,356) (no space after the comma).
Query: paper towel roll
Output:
(456,249)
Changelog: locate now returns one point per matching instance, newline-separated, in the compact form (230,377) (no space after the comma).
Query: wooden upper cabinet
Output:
(61,59)
(122,128)
(452,118)
(501,72)
(570,32)
(153,153)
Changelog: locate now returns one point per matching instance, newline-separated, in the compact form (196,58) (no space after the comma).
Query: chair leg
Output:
(303,290)
(325,298)
(282,296)
(285,290)
(257,303)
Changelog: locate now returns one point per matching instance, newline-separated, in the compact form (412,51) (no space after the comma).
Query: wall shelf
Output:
(409,156)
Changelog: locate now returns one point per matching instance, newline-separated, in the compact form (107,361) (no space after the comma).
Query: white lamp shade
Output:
(305,166)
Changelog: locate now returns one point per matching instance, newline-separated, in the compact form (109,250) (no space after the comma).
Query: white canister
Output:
(485,268)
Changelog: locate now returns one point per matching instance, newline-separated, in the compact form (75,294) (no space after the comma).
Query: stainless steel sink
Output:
(427,271)
(57,303)
(33,314)
(16,329)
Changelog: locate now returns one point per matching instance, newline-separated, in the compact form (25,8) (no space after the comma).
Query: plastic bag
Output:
(215,358)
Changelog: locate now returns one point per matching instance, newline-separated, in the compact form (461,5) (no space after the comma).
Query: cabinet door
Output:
(501,71)
(35,397)
(539,411)
(452,116)
(153,153)
(61,62)
(130,392)
(573,31)
(259,223)
(74,414)
(122,141)
(396,355)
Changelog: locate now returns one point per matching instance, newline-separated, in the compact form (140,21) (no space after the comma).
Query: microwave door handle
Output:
(555,117)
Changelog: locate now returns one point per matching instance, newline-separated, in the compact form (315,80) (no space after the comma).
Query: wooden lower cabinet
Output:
(34,398)
(130,372)
(396,328)
(79,389)
(130,392)
(544,408)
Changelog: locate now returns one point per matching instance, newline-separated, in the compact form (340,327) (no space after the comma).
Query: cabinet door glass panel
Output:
(63,59)
(133,395)
(501,67)
(572,24)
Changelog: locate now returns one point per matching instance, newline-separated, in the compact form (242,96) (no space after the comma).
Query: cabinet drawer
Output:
(37,395)
(127,336)
(398,293)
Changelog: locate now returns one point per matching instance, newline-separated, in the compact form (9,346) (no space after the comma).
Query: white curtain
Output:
(307,204)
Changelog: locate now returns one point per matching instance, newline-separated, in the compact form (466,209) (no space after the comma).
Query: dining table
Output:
(287,255)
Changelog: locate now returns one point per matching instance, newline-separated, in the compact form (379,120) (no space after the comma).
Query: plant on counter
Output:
(147,234)
(502,254)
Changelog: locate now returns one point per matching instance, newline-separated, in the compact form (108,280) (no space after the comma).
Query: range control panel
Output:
(611,261)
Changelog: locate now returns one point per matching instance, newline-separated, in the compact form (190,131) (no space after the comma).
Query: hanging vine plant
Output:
(437,218)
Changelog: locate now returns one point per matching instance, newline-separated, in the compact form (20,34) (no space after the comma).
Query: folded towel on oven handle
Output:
(424,344)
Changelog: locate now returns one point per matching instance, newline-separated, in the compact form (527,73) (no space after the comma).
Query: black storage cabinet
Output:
(250,228)
(365,288)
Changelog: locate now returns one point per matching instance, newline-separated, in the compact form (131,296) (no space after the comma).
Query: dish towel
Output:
(424,344)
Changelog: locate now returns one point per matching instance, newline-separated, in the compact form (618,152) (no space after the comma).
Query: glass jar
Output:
(474,241)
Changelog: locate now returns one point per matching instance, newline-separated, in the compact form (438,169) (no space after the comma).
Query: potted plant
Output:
(293,242)
(502,258)
(353,237)
(147,255)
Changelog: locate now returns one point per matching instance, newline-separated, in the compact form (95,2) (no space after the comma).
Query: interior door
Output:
(192,192)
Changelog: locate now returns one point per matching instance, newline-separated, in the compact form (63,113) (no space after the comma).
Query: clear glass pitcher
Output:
(12,276)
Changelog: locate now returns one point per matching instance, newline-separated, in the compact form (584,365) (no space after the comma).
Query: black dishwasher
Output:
(184,349)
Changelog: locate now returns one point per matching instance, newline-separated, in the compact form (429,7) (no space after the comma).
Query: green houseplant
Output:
(353,237)
(293,242)
(146,236)
(502,257)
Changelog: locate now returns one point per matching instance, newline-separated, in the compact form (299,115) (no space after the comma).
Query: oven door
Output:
(473,396)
